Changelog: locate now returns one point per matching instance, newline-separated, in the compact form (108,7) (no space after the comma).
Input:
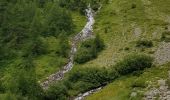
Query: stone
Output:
(168,92)
(168,27)
(133,94)
(137,32)
(161,82)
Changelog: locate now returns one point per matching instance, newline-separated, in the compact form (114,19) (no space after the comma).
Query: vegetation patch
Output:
(165,36)
(80,80)
(144,43)
(133,63)
(89,50)
(81,5)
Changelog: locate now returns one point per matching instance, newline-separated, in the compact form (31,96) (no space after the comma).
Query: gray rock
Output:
(133,94)
(137,32)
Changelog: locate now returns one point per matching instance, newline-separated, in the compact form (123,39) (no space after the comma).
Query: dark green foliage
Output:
(81,5)
(133,6)
(64,48)
(59,21)
(126,48)
(3,6)
(80,80)
(133,63)
(165,36)
(144,43)
(25,26)
(1,87)
(28,86)
(39,48)
(57,92)
(22,82)
(95,76)
(89,50)
(24,23)
(84,79)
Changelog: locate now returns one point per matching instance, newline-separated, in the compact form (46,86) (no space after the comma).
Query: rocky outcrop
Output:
(161,93)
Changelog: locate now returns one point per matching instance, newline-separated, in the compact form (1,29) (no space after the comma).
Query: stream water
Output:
(83,35)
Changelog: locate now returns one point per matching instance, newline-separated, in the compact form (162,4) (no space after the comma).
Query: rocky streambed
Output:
(83,35)
(83,95)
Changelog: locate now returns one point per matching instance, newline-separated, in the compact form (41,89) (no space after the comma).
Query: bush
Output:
(80,80)
(91,75)
(85,79)
(144,43)
(39,48)
(133,6)
(57,92)
(64,47)
(133,63)
(81,5)
(165,36)
(85,55)
(89,50)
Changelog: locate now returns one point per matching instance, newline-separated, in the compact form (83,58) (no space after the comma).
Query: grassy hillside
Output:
(122,88)
(127,28)
(35,40)
(48,64)
(121,24)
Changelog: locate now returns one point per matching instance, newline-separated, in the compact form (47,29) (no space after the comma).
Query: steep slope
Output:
(122,24)
(83,35)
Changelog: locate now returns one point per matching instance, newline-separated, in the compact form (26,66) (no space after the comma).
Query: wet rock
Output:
(137,32)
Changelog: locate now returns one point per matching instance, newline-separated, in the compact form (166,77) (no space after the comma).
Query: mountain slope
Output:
(121,24)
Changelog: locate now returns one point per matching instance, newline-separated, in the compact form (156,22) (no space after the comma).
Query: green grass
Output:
(121,88)
(51,63)
(79,21)
(115,24)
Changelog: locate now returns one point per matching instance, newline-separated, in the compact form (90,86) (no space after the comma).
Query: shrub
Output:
(84,55)
(126,48)
(39,47)
(64,47)
(133,6)
(144,43)
(133,63)
(80,80)
(91,75)
(165,36)
(89,78)
(57,92)
(89,50)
